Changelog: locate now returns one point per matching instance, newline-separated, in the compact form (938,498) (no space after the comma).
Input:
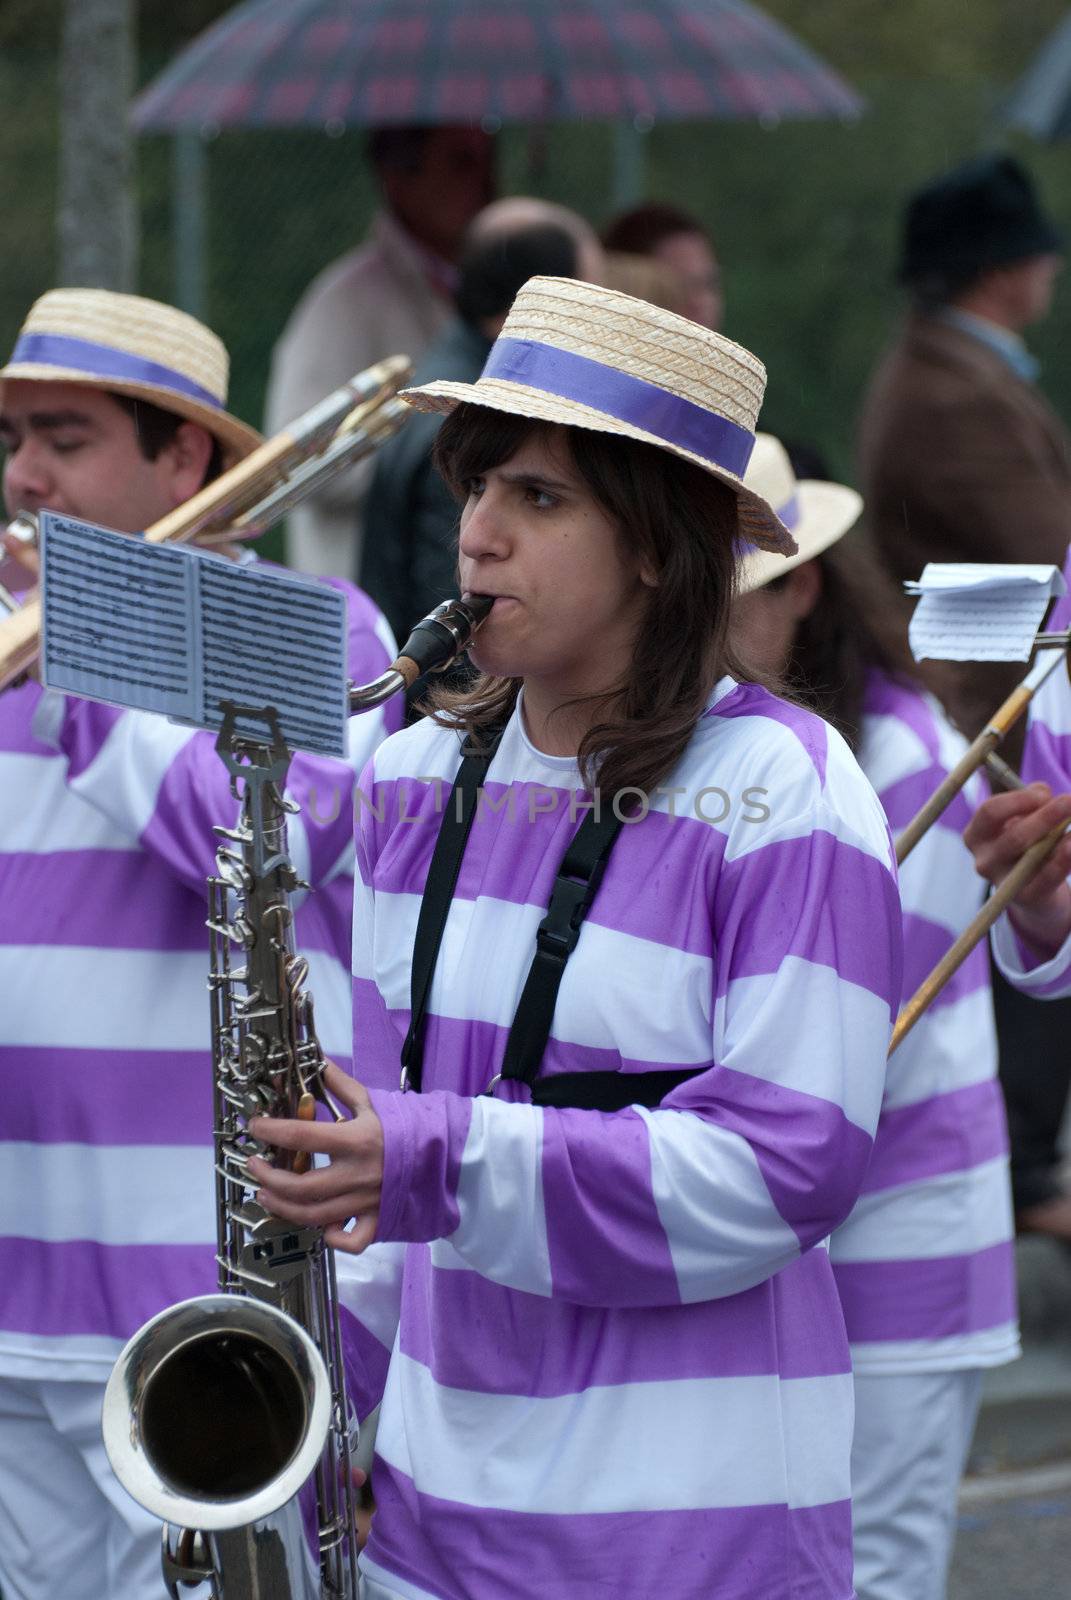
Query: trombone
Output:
(335,433)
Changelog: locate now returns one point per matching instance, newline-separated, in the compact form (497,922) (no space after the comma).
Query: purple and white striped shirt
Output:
(1046,759)
(924,1263)
(106,1184)
(617,1363)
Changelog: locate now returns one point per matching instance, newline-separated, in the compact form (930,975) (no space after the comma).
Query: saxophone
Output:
(226,1416)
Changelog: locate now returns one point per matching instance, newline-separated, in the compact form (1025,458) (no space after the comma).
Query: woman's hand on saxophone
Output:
(327,1197)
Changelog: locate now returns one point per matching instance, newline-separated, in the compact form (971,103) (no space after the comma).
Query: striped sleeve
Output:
(741,1169)
(1046,759)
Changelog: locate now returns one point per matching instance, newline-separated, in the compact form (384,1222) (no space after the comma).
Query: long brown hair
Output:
(682,521)
(858,623)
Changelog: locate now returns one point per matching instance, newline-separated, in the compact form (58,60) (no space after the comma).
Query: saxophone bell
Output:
(215,1416)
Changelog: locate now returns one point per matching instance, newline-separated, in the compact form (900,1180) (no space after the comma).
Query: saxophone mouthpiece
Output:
(443,635)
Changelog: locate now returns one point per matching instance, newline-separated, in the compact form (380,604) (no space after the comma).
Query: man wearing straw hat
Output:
(113,408)
(611,1359)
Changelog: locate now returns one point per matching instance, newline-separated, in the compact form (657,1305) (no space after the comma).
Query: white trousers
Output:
(68,1530)
(912,1435)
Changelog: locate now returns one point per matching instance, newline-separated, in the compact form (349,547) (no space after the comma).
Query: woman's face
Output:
(569,597)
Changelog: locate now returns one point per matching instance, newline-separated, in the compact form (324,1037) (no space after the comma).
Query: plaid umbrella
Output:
(275,63)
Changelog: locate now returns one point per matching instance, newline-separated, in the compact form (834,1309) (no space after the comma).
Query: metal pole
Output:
(95,226)
(630,136)
(189,173)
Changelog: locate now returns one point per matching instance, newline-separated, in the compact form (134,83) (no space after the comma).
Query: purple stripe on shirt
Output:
(424,1141)
(17,708)
(904,798)
(600,1210)
(130,1088)
(812,1159)
(366,1362)
(936,1298)
(885,697)
(743,1553)
(815,897)
(789,1325)
(84,732)
(512,858)
(749,700)
(176,833)
(925,943)
(948,1133)
(82,1287)
(145,908)
(1047,757)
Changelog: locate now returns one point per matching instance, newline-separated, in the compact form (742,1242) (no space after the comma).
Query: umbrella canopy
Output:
(339,63)
(1041,100)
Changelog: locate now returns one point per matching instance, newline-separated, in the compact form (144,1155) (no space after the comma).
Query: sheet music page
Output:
(973,611)
(175,630)
(116,618)
(272,638)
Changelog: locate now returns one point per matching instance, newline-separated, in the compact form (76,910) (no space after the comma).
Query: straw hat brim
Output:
(236,438)
(758,522)
(827,512)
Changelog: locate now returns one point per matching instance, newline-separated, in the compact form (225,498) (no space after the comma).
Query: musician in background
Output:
(392,295)
(679,241)
(612,1350)
(924,1264)
(113,408)
(409,561)
(1032,940)
(962,459)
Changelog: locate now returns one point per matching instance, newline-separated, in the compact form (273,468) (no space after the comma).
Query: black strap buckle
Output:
(559,931)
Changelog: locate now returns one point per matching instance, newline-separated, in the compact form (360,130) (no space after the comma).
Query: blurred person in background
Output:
(924,1263)
(680,241)
(409,559)
(648,279)
(960,456)
(392,295)
(962,459)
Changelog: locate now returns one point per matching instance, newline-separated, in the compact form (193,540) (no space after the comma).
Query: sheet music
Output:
(973,611)
(173,629)
(116,618)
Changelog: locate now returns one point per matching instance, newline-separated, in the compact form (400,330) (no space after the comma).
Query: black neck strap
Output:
(574,890)
(454,830)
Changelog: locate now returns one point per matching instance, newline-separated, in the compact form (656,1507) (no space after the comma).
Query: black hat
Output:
(982,214)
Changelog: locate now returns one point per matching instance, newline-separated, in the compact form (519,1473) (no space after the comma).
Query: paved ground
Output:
(1017,1547)
(1014,1540)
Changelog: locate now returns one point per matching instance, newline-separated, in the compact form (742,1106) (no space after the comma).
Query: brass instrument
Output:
(222,1411)
(250,497)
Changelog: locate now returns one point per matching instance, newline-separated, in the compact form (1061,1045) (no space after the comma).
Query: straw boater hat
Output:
(817,513)
(587,357)
(127,345)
